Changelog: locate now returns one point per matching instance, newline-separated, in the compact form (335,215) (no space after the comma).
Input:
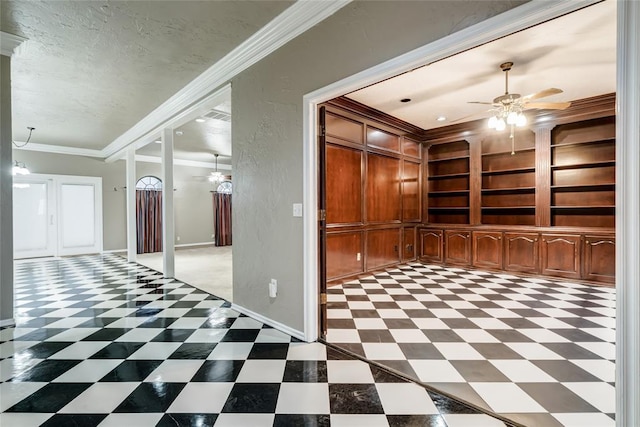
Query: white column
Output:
(6,196)
(168,231)
(627,214)
(131,205)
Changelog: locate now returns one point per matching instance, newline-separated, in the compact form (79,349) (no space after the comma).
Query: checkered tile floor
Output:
(539,352)
(103,342)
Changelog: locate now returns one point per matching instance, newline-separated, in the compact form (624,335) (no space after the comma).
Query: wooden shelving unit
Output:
(583,174)
(508,180)
(448,183)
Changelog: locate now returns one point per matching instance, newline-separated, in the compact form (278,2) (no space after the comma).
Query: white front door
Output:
(56,215)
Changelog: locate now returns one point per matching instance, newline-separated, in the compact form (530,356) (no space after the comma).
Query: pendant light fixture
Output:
(216,176)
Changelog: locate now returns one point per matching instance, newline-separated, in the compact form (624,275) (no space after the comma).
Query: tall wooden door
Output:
(322,222)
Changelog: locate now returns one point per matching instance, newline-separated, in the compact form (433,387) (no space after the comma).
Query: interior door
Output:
(322,223)
(34,223)
(79,207)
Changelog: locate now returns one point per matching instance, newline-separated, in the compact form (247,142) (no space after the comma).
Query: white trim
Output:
(7,322)
(178,162)
(115,251)
(274,324)
(627,213)
(59,149)
(168,211)
(191,245)
(131,205)
(191,113)
(511,21)
(9,42)
(295,20)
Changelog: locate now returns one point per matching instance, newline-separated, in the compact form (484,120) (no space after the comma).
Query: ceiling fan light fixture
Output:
(500,124)
(493,121)
(19,169)
(512,118)
(521,120)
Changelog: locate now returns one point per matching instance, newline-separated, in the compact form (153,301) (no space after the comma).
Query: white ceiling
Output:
(90,70)
(576,53)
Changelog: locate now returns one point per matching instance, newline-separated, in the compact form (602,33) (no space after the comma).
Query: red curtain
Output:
(222,219)
(149,221)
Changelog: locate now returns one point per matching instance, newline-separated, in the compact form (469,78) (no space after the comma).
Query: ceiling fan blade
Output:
(542,94)
(547,105)
(480,102)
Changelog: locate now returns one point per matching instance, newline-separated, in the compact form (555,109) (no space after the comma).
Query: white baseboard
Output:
(113,251)
(277,325)
(7,322)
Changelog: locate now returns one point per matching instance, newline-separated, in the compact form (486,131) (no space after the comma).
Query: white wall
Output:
(267,131)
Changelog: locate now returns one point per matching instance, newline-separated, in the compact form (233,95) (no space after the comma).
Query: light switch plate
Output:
(297,209)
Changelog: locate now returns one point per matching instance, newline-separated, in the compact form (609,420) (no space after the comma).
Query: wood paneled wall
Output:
(374,189)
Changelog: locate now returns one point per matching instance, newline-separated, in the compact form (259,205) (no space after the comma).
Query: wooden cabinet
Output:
(408,244)
(457,247)
(599,258)
(344,254)
(561,255)
(431,245)
(383,248)
(487,249)
(521,252)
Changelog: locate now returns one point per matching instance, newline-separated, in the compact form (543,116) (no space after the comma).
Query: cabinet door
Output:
(383,247)
(409,244)
(457,247)
(344,254)
(561,255)
(431,245)
(599,258)
(521,252)
(487,249)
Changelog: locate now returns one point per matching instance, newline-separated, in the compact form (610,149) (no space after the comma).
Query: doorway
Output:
(56,215)
(149,215)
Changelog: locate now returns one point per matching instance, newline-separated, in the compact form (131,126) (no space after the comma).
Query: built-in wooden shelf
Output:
(595,207)
(452,175)
(585,165)
(510,190)
(585,187)
(505,208)
(509,171)
(502,153)
(452,208)
(448,193)
(595,141)
(448,159)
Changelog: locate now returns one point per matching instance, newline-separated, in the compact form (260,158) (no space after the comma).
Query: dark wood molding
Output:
(410,130)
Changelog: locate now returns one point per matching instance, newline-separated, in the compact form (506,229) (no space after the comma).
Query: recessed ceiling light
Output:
(441,118)
(200,120)
(405,100)
(157,141)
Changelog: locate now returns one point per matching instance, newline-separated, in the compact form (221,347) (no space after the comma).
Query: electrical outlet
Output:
(273,288)
(297,209)
(358,257)
(213,236)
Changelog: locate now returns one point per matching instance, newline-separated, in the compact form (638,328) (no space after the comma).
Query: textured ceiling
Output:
(90,70)
(576,53)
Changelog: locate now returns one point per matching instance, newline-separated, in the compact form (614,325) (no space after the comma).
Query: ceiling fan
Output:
(508,108)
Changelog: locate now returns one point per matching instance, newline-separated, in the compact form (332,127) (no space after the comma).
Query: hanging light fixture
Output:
(216,176)
(19,169)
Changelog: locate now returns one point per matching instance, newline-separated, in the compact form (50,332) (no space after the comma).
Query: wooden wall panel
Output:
(380,139)
(344,185)
(411,148)
(411,191)
(383,188)
(344,254)
(383,247)
(343,128)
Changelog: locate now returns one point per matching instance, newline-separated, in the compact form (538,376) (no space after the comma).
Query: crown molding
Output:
(295,20)
(60,149)
(179,162)
(8,43)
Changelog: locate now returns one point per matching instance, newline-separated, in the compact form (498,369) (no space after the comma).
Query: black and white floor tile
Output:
(539,352)
(100,341)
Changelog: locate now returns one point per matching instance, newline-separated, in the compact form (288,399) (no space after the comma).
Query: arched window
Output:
(149,183)
(224,187)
